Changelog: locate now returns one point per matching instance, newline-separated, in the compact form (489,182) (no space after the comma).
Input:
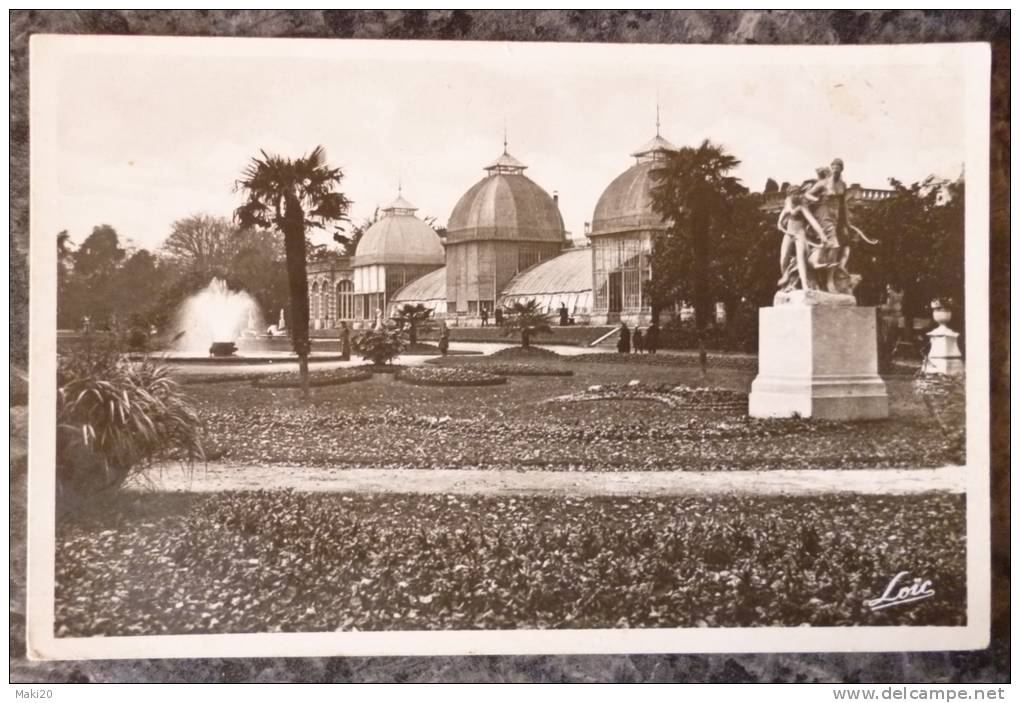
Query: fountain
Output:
(214,318)
(220,325)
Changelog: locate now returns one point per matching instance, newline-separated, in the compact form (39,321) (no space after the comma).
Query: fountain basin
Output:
(223,349)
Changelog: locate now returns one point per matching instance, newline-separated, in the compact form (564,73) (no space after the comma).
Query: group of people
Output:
(643,342)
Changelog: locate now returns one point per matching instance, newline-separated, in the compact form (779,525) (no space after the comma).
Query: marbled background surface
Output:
(719,27)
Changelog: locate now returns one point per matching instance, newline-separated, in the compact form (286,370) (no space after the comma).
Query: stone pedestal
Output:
(818,357)
(944,355)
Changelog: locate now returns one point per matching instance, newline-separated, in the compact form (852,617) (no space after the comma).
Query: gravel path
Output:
(227,477)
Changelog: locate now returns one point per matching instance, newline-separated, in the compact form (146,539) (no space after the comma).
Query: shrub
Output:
(379,346)
(137,339)
(525,319)
(116,418)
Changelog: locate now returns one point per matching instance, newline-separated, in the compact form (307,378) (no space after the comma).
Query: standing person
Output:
(499,317)
(345,342)
(485,316)
(652,337)
(623,346)
(564,315)
(639,341)
(444,338)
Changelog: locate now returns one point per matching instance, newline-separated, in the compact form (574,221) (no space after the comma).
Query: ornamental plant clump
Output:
(117,418)
(379,346)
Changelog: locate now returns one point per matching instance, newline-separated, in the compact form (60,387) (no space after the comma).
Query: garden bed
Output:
(732,361)
(316,379)
(448,376)
(263,562)
(524,354)
(504,369)
(669,395)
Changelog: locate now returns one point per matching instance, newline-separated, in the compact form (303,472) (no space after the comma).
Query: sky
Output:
(149,132)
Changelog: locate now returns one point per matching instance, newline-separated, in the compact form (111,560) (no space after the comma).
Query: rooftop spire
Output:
(657,133)
(505,163)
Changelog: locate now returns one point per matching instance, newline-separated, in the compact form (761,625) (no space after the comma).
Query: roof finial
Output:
(504,136)
(657,114)
(400,185)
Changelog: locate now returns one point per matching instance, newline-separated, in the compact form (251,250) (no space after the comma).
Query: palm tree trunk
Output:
(525,338)
(702,303)
(294,246)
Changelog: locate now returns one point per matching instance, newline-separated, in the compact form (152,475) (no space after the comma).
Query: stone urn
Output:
(940,312)
(944,357)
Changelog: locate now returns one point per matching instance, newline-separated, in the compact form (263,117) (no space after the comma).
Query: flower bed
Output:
(334,377)
(673,396)
(521,368)
(732,361)
(258,562)
(207,378)
(448,376)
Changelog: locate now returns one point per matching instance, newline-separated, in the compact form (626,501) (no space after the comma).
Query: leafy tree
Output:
(920,250)
(258,267)
(202,242)
(100,253)
(91,286)
(68,316)
(694,193)
(525,319)
(413,316)
(293,196)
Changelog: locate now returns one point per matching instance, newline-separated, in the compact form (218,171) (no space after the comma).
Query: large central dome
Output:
(506,205)
(626,204)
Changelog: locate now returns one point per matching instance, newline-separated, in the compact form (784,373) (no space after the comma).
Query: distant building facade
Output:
(506,242)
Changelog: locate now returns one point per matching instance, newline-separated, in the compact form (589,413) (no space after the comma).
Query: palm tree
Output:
(693,193)
(525,318)
(293,196)
(413,316)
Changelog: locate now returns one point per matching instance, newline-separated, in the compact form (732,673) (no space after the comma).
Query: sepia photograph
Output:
(403,347)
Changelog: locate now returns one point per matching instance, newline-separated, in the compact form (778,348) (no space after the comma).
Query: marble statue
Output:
(817,230)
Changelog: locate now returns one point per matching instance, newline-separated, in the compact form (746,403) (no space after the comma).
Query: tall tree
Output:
(293,196)
(202,242)
(693,193)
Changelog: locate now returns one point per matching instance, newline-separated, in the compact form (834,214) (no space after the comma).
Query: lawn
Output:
(382,422)
(247,562)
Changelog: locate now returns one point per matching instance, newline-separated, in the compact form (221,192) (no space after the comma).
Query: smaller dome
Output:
(399,237)
(626,203)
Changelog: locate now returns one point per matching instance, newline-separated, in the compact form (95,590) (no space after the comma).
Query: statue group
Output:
(818,233)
